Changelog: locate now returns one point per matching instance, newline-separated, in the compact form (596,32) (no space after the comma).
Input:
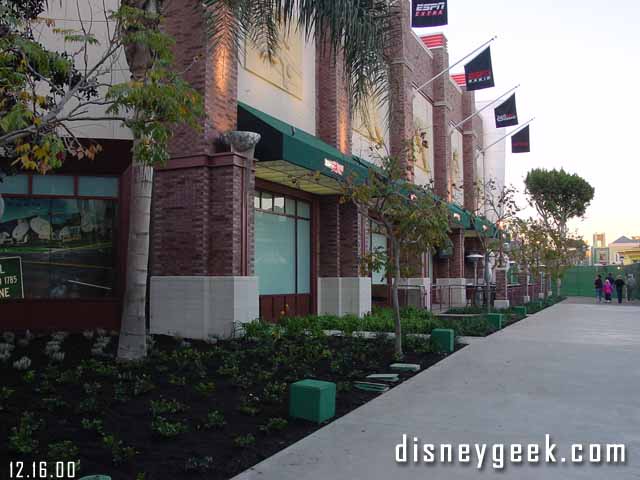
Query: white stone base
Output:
(500,304)
(425,283)
(541,295)
(201,307)
(549,293)
(344,296)
(458,290)
(526,299)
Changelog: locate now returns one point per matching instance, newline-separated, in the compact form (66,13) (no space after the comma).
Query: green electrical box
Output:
(496,320)
(312,400)
(443,339)
(520,310)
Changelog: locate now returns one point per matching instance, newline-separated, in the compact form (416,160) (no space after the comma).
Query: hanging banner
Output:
(506,113)
(478,72)
(428,13)
(520,141)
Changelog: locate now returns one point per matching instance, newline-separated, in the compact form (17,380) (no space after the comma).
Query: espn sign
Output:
(428,13)
(430,9)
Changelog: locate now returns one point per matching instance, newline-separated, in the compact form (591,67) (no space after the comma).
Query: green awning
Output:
(293,157)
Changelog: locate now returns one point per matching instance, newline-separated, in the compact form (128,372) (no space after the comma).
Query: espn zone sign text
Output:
(430,9)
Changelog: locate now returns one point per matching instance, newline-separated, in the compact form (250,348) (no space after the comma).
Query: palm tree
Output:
(357,33)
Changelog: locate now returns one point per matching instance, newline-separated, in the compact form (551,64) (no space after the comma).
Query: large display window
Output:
(282,244)
(63,228)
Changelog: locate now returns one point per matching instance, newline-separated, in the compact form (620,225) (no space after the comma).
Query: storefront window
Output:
(378,243)
(66,244)
(283,245)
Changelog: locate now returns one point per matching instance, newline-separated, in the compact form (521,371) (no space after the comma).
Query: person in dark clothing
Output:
(611,279)
(619,283)
(598,284)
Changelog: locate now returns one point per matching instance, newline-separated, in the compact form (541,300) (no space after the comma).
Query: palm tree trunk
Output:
(394,294)
(132,344)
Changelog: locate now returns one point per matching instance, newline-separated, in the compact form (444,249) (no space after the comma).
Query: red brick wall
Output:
(501,284)
(351,238)
(213,73)
(457,259)
(198,217)
(329,223)
(333,114)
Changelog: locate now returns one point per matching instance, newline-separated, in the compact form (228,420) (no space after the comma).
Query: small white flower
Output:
(22,364)
(57,356)
(88,334)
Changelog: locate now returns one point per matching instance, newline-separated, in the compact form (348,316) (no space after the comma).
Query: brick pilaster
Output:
(329,221)
(457,258)
(211,71)
(203,219)
(501,284)
(441,114)
(333,105)
(352,237)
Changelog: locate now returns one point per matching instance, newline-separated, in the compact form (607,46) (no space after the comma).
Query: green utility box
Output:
(496,320)
(443,339)
(312,400)
(520,310)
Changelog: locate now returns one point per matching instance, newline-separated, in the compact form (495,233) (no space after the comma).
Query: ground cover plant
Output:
(382,320)
(190,410)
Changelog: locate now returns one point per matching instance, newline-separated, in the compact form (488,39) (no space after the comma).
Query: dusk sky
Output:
(577,62)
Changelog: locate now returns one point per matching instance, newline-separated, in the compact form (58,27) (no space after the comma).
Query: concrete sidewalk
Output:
(571,371)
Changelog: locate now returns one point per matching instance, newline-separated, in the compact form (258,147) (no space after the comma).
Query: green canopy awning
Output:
(291,156)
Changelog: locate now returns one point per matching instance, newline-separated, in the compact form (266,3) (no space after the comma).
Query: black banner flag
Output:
(520,141)
(506,113)
(478,72)
(428,13)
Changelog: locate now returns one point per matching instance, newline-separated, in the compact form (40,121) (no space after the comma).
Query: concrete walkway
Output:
(571,371)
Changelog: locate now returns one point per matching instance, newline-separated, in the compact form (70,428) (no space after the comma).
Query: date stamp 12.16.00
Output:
(42,470)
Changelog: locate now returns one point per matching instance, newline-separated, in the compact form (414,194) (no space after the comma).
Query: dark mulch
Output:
(247,368)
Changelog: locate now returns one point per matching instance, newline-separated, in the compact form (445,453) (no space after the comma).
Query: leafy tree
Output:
(499,205)
(412,218)
(558,197)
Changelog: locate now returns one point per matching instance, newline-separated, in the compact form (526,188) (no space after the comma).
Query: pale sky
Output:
(578,62)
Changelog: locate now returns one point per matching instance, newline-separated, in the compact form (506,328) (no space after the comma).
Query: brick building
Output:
(236,237)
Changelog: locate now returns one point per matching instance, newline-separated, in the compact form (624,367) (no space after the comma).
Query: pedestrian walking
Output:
(619,283)
(608,290)
(598,284)
(631,286)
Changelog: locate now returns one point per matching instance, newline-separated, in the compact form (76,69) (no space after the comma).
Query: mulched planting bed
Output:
(191,410)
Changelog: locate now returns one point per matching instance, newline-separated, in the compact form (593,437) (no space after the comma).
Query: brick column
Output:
(202,216)
(523,280)
(329,222)
(441,115)
(341,289)
(469,145)
(502,299)
(333,105)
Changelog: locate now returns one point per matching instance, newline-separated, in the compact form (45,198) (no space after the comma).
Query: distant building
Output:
(624,250)
(599,250)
